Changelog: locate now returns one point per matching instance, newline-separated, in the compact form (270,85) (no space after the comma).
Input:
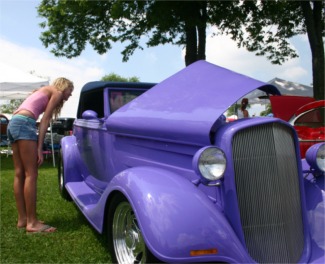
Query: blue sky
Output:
(21,47)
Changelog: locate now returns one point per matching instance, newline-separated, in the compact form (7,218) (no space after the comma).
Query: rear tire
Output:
(125,238)
(63,191)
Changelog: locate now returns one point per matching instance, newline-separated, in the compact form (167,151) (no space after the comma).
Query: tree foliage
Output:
(70,25)
(267,111)
(262,27)
(11,107)
(113,77)
(265,27)
(233,109)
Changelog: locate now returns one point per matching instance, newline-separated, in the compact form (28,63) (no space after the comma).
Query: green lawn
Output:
(75,240)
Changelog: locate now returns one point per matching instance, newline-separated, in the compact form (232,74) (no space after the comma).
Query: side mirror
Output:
(89,114)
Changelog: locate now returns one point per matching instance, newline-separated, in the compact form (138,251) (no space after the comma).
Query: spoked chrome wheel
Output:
(128,242)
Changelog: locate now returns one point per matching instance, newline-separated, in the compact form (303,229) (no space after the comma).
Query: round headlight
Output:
(211,163)
(315,157)
(320,158)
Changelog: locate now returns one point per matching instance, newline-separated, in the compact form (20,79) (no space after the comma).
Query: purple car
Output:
(159,170)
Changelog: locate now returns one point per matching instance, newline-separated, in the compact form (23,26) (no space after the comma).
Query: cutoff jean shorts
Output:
(22,127)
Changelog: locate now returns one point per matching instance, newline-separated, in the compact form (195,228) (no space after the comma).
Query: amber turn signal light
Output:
(201,252)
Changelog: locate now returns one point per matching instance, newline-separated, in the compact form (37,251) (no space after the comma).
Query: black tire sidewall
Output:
(63,192)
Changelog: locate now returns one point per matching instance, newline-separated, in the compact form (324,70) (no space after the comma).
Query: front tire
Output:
(124,235)
(63,192)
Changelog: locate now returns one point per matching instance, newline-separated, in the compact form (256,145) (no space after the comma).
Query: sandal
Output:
(43,229)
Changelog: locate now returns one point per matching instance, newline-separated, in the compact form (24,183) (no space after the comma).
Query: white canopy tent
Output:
(284,87)
(17,84)
(292,88)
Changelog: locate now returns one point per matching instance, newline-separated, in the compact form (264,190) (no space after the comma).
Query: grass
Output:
(74,242)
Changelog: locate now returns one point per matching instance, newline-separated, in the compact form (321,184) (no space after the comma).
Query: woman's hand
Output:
(40,157)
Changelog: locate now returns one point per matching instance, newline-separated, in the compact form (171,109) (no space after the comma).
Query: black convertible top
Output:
(102,84)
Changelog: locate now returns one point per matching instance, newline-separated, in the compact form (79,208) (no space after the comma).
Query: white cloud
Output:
(78,70)
(223,51)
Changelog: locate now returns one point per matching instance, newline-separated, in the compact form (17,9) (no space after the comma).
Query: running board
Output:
(85,198)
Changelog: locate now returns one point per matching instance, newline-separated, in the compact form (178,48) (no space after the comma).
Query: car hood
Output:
(185,106)
(285,106)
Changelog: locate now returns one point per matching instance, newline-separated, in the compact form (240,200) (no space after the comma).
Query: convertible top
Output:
(188,103)
(90,86)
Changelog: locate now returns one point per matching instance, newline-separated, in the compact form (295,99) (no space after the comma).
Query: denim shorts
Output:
(22,127)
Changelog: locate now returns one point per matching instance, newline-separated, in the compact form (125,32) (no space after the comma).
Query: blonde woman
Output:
(27,147)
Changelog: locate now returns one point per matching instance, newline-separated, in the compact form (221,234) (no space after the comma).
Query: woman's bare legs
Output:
(19,182)
(25,183)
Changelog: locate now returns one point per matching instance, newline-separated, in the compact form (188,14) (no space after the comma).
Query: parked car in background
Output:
(305,114)
(4,121)
(159,170)
(63,125)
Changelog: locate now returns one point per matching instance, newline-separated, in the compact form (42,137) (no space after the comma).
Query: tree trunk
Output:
(201,28)
(314,24)
(191,45)
(195,30)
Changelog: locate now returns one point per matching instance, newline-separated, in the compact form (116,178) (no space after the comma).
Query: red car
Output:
(305,114)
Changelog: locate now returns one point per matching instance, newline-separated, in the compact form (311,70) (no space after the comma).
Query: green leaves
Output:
(11,107)
(113,77)
(262,27)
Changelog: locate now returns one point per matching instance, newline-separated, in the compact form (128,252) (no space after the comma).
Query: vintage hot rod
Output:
(157,169)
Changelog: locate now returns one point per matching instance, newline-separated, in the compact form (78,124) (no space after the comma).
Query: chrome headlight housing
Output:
(210,162)
(315,157)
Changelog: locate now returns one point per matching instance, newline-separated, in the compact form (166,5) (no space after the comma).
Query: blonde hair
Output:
(61,84)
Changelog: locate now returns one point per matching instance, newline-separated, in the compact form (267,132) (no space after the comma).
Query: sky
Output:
(21,47)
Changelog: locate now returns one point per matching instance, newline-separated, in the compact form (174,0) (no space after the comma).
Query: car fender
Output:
(176,217)
(315,205)
(71,159)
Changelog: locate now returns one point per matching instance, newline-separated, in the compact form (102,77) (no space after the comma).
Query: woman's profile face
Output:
(67,93)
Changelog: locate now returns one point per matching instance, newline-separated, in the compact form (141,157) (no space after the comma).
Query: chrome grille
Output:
(268,194)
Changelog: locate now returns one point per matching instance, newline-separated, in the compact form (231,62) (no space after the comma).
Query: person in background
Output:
(242,113)
(27,147)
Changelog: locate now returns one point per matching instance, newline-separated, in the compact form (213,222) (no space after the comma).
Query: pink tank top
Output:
(35,103)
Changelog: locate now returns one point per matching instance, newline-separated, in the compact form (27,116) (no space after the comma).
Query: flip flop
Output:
(24,226)
(43,229)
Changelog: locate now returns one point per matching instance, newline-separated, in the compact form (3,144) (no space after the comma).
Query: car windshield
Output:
(118,98)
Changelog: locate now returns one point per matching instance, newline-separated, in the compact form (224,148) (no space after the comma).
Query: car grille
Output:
(268,194)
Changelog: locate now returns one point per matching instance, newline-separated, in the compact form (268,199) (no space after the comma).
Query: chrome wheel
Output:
(129,246)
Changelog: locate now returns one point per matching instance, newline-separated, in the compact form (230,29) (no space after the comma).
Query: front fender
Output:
(71,159)
(177,218)
(315,205)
